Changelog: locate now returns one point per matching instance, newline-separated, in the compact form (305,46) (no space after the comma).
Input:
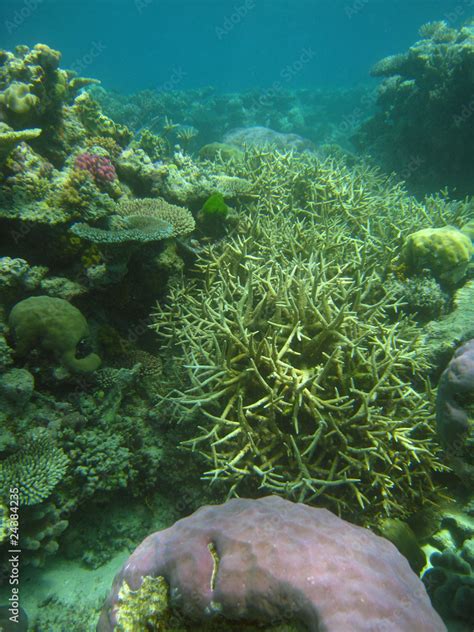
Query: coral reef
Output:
(100,167)
(294,563)
(455,411)
(443,336)
(432,82)
(299,380)
(35,471)
(445,252)
(178,217)
(10,138)
(321,115)
(288,326)
(54,325)
(450,578)
(265,137)
(133,229)
(422,297)
(34,93)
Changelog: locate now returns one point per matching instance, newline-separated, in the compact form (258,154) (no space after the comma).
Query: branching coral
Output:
(304,384)
(35,470)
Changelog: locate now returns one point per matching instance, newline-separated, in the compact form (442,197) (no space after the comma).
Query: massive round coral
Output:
(270,560)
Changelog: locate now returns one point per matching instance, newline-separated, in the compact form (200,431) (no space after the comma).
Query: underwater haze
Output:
(229,44)
(236,315)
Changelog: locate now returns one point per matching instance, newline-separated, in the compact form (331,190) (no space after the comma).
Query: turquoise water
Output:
(236,260)
(231,45)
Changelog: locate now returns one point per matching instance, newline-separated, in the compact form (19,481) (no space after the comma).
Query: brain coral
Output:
(55,325)
(445,251)
(270,560)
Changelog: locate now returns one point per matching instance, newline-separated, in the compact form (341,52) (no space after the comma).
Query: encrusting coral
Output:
(303,383)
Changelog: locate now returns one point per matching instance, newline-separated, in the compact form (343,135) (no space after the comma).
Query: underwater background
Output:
(236,287)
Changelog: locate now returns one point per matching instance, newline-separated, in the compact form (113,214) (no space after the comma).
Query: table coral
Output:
(178,217)
(270,560)
(55,325)
(10,138)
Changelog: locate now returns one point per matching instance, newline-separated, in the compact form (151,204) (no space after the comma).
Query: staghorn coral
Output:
(178,217)
(267,561)
(35,470)
(303,383)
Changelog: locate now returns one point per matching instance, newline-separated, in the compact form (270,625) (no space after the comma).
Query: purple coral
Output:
(100,167)
(455,395)
(268,560)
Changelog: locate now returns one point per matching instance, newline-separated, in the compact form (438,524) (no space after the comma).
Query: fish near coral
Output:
(54,325)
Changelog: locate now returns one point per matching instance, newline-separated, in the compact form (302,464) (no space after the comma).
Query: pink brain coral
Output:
(270,560)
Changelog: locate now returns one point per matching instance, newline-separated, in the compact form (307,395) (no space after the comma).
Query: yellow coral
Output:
(445,252)
(146,608)
(18,99)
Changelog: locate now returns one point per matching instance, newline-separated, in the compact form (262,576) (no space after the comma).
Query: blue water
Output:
(230,44)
